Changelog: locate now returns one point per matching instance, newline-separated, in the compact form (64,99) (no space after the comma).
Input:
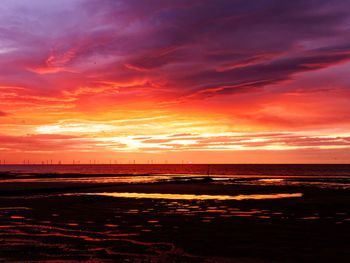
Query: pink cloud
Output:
(3,114)
(52,142)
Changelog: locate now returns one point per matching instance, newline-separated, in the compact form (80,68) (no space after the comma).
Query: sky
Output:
(201,81)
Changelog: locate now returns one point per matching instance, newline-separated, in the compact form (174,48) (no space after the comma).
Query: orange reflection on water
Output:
(17,217)
(216,211)
(310,217)
(245,212)
(111,225)
(197,197)
(182,210)
(15,208)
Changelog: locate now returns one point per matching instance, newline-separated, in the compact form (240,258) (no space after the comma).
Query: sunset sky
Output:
(202,81)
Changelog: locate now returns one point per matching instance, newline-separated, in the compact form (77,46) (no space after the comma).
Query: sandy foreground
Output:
(67,221)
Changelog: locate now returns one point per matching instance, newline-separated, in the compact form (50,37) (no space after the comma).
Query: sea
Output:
(318,175)
(204,169)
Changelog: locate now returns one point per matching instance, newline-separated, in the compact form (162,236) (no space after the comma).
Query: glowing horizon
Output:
(174,81)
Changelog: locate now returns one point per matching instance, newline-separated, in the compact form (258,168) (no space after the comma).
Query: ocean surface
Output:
(317,175)
(203,169)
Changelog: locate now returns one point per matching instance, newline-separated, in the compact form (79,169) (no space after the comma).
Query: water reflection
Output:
(319,181)
(196,197)
(124,224)
(96,180)
(332,182)
(335,182)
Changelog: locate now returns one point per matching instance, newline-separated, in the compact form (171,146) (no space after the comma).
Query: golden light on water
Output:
(198,197)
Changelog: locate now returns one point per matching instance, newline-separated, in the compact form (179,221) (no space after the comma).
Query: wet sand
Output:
(61,222)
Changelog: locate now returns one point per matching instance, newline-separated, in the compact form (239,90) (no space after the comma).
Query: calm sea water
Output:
(195,169)
(321,176)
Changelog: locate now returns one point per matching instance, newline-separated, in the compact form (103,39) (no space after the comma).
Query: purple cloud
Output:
(188,49)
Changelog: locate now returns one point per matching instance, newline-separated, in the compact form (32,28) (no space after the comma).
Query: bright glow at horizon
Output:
(203,81)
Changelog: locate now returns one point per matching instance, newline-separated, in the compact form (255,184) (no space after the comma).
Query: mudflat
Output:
(72,221)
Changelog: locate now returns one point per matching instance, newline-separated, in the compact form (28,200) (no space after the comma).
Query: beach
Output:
(176,221)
